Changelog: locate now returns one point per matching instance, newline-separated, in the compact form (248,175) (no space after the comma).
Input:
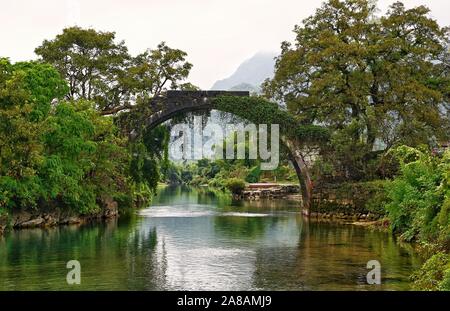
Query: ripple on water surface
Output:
(192,210)
(190,240)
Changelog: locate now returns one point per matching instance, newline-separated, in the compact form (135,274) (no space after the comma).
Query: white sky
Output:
(218,35)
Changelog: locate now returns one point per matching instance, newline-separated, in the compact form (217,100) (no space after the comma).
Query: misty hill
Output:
(249,75)
(245,87)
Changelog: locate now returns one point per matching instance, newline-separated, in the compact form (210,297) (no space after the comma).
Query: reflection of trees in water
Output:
(145,270)
(244,226)
(211,196)
(331,256)
(119,257)
(36,258)
(241,227)
(268,205)
(191,195)
(129,253)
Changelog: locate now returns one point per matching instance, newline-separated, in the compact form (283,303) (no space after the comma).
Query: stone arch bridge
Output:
(177,102)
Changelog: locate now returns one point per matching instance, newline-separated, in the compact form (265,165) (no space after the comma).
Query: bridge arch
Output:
(253,109)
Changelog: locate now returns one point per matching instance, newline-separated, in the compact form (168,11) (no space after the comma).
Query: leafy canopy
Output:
(100,69)
(376,82)
(54,153)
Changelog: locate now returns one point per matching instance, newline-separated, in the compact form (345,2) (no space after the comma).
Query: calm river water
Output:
(191,239)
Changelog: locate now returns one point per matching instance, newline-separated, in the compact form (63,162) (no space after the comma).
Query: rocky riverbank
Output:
(358,202)
(349,217)
(267,191)
(49,217)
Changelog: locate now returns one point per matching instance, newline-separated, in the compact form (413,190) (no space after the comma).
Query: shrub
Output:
(378,197)
(434,274)
(254,175)
(235,185)
(444,285)
(198,181)
(217,182)
(186,176)
(418,208)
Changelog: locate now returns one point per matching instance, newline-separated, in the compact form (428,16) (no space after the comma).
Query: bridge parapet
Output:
(176,94)
(181,101)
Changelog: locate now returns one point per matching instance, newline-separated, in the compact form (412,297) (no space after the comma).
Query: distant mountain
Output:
(245,87)
(249,75)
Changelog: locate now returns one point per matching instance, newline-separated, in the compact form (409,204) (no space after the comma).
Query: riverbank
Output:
(257,191)
(348,202)
(330,204)
(178,241)
(363,205)
(53,216)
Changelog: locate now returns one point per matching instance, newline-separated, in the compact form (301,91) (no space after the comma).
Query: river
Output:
(193,239)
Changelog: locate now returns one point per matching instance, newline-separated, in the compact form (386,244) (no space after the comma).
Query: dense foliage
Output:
(53,153)
(419,209)
(235,185)
(420,196)
(380,86)
(370,93)
(100,69)
(59,148)
(374,81)
(434,274)
(261,111)
(216,173)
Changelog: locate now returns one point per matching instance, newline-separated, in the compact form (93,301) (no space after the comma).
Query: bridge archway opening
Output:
(253,109)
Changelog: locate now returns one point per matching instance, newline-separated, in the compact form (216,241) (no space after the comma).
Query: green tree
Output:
(52,152)
(26,93)
(152,70)
(370,79)
(100,69)
(91,62)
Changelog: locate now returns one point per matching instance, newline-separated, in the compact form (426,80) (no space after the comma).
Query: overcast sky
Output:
(218,35)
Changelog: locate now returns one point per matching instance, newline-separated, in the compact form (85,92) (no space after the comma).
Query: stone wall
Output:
(359,201)
(273,191)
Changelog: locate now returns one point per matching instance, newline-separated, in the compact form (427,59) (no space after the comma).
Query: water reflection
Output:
(194,239)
